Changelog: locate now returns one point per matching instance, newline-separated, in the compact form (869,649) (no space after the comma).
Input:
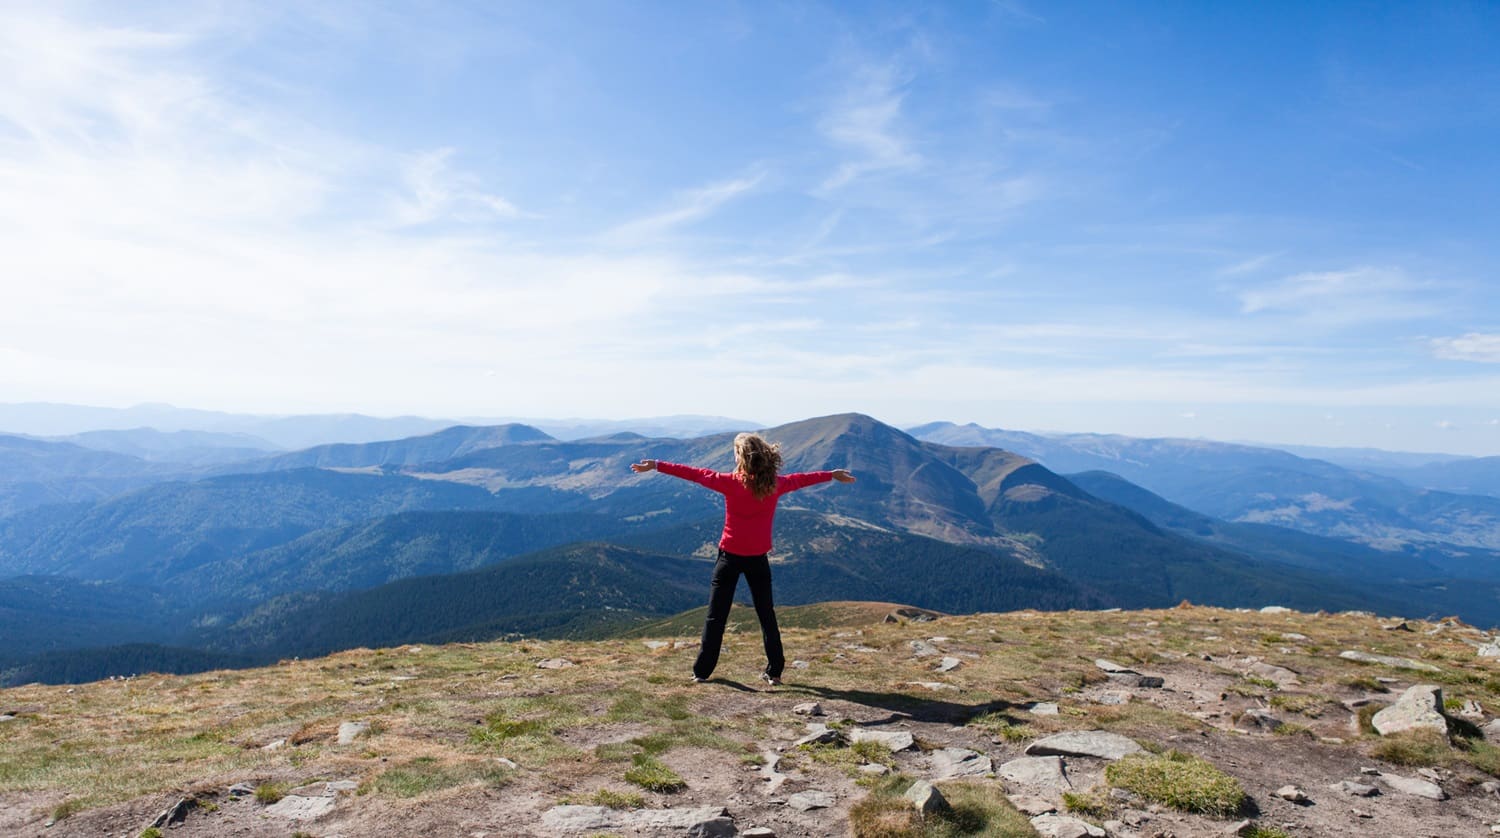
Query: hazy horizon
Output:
(1214,221)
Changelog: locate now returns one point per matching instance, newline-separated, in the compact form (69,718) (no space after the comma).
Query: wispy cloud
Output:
(865,120)
(1474,346)
(1356,295)
(690,206)
(436,191)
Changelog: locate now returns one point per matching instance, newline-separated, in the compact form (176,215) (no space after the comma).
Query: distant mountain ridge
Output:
(1259,485)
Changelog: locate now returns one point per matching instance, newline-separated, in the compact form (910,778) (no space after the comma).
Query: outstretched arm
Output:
(702,476)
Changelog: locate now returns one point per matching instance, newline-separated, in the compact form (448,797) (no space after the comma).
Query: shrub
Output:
(271,792)
(1179,780)
(1421,748)
(649,773)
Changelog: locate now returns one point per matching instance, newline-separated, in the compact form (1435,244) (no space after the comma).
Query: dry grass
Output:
(466,704)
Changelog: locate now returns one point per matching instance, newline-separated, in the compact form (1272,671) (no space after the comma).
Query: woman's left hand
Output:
(842,475)
(643,466)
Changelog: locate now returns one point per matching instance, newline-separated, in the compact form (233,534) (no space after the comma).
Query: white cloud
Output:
(864,121)
(691,206)
(1474,346)
(1353,296)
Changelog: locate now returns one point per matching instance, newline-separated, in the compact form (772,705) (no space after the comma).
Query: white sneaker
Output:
(775,682)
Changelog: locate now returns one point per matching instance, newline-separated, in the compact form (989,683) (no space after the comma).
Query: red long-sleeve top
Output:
(747,518)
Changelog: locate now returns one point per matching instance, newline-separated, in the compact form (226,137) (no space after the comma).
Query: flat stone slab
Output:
(1387,660)
(818,732)
(806,801)
(959,762)
(297,808)
(1045,773)
(1062,826)
(1089,743)
(896,740)
(1355,789)
(948,664)
(1414,786)
(1282,676)
(923,649)
(350,731)
(713,819)
(1043,708)
(555,663)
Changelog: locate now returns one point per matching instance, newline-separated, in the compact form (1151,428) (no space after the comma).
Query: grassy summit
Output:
(470,738)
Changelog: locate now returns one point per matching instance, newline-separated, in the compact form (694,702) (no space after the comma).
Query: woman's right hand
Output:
(643,466)
(842,475)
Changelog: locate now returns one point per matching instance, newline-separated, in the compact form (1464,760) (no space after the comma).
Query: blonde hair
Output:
(756,462)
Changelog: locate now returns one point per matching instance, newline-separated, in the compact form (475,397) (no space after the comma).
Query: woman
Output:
(750,494)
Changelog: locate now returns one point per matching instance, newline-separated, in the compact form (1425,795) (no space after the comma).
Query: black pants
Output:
(757,571)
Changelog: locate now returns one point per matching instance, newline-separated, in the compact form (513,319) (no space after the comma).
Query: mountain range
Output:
(519,532)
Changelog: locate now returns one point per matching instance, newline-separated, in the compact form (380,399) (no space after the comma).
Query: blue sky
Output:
(1258,221)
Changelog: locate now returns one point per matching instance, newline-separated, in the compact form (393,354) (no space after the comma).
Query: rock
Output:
(923,649)
(1111,666)
(350,731)
(1031,805)
(1129,677)
(1294,636)
(555,663)
(948,664)
(1061,826)
(874,769)
(925,798)
(806,801)
(1360,813)
(1490,649)
(818,733)
(1293,794)
(1281,675)
(708,821)
(1490,787)
(1419,708)
(1387,660)
(6,717)
(1242,828)
(759,832)
(1114,697)
(1043,708)
(1275,609)
(1491,730)
(809,708)
(1414,786)
(1355,789)
(1401,626)
(241,790)
(1471,710)
(176,813)
(274,746)
(506,763)
(959,762)
(654,645)
(896,740)
(1256,720)
(800,664)
(298,808)
(1089,743)
(1037,772)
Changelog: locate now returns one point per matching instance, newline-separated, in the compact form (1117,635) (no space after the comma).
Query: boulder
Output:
(1043,773)
(948,664)
(925,798)
(1085,743)
(1419,708)
(809,708)
(555,663)
(923,649)
(959,762)
(1043,708)
(1275,609)
(896,740)
(1293,794)
(1282,676)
